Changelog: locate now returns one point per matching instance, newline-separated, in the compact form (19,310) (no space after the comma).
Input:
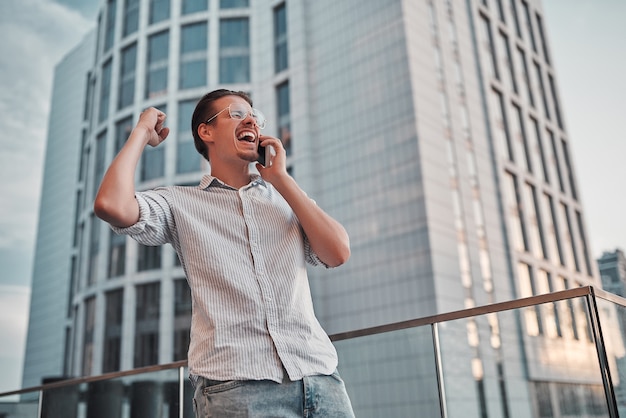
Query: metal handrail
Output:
(427,320)
(469,312)
(106,376)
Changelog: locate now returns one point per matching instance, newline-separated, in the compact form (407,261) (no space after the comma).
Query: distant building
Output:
(612,267)
(433,130)
(50,318)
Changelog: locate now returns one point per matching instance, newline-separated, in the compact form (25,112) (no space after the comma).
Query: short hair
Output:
(205,109)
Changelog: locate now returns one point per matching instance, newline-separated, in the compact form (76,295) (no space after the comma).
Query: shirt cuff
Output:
(140,225)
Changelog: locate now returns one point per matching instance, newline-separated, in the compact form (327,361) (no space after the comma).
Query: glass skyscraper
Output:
(431,129)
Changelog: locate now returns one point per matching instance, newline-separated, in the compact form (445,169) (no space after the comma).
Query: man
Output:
(243,238)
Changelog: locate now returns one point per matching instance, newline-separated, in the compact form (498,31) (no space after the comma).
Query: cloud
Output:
(14,301)
(36,35)
(14,304)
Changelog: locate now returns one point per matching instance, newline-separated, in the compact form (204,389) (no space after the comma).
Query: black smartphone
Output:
(264,155)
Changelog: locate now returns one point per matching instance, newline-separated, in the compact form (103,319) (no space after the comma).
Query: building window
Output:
(67,356)
(152,163)
(111,354)
(99,159)
(488,52)
(148,258)
(147,313)
(84,156)
(531,207)
(131,17)
(548,312)
(501,131)
(193,6)
(159,10)
(519,139)
(570,239)
(126,93)
(193,56)
(544,402)
(542,38)
(233,4)
(528,24)
(569,400)
(528,91)
(117,254)
(281,56)
(583,240)
(500,11)
(565,311)
(284,115)
(105,92)
(123,128)
(537,145)
(77,211)
(89,93)
(94,251)
(542,90)
(234,51)
(507,63)
(109,29)
(156,71)
(555,101)
(568,169)
(188,159)
(513,8)
(182,318)
(556,162)
(527,289)
(552,228)
(514,213)
(88,336)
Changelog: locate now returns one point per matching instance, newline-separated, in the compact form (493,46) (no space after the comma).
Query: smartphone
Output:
(265,156)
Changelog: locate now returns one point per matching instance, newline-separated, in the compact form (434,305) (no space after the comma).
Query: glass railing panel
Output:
(152,394)
(16,406)
(551,368)
(148,394)
(392,374)
(613,327)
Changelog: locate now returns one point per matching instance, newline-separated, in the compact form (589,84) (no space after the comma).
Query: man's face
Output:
(234,138)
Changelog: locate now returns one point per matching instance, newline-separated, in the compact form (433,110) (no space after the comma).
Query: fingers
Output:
(153,115)
(164,133)
(266,140)
(152,119)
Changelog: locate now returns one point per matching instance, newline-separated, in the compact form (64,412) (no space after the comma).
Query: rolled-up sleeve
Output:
(155,224)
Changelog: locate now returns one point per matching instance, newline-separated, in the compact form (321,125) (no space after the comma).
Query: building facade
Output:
(612,267)
(432,129)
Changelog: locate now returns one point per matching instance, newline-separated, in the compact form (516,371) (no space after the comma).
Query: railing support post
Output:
(596,329)
(40,404)
(181,392)
(441,386)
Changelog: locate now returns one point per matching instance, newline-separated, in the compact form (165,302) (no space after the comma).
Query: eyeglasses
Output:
(240,112)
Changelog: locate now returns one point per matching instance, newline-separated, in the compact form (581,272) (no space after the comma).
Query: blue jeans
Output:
(313,396)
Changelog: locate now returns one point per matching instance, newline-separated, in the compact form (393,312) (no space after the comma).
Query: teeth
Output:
(248,136)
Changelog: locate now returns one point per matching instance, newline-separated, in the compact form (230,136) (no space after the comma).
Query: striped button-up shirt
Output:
(244,253)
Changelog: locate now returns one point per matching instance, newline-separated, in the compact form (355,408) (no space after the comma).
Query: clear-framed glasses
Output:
(240,112)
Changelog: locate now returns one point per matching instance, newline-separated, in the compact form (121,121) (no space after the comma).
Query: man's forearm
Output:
(115,201)
(328,238)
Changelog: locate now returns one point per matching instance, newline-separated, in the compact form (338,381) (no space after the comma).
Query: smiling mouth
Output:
(247,136)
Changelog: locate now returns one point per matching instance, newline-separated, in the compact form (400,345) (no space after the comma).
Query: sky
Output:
(586,39)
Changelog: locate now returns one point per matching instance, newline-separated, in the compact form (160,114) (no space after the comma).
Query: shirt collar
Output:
(210,181)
